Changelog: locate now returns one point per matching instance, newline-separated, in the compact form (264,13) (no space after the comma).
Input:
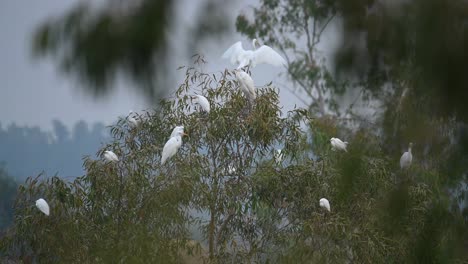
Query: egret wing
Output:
(42,205)
(169,150)
(204,103)
(234,53)
(267,55)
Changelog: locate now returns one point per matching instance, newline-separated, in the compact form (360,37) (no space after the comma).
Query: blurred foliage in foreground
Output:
(96,42)
(384,46)
(136,211)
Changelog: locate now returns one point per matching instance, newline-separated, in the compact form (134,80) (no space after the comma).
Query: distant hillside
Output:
(27,151)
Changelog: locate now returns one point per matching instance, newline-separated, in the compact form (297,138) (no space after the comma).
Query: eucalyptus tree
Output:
(135,209)
(225,181)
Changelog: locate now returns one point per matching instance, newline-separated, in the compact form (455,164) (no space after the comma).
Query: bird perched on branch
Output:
(337,144)
(172,145)
(406,158)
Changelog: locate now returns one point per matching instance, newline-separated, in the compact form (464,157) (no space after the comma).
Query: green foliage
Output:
(8,188)
(421,42)
(263,211)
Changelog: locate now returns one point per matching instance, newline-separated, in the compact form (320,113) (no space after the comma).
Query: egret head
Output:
(410,144)
(176,130)
(254,43)
(180,131)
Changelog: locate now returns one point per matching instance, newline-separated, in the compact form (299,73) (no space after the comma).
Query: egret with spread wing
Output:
(263,55)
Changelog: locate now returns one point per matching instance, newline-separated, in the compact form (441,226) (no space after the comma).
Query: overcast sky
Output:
(35,93)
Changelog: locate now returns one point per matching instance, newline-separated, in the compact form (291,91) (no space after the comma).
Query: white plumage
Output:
(263,55)
(337,144)
(176,131)
(231,169)
(172,146)
(42,205)
(132,120)
(406,158)
(246,84)
(110,156)
(325,204)
(202,102)
(278,156)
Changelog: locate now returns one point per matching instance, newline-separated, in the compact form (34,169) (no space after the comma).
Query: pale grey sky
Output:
(35,93)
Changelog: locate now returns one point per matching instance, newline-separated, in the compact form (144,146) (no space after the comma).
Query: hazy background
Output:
(34,92)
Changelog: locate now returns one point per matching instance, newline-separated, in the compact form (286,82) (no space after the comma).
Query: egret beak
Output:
(184,134)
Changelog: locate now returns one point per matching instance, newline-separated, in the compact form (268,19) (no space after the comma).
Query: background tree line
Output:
(28,151)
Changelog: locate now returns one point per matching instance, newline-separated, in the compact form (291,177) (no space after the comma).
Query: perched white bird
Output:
(406,158)
(263,55)
(231,169)
(202,102)
(176,131)
(132,120)
(325,204)
(247,84)
(172,146)
(278,156)
(110,156)
(338,144)
(42,205)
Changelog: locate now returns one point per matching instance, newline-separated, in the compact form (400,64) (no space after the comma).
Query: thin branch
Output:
(223,226)
(323,28)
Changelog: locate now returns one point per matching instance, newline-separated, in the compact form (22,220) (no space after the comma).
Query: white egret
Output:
(247,84)
(202,102)
(231,169)
(172,146)
(132,120)
(263,55)
(278,156)
(42,205)
(176,131)
(110,156)
(325,204)
(406,158)
(338,144)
